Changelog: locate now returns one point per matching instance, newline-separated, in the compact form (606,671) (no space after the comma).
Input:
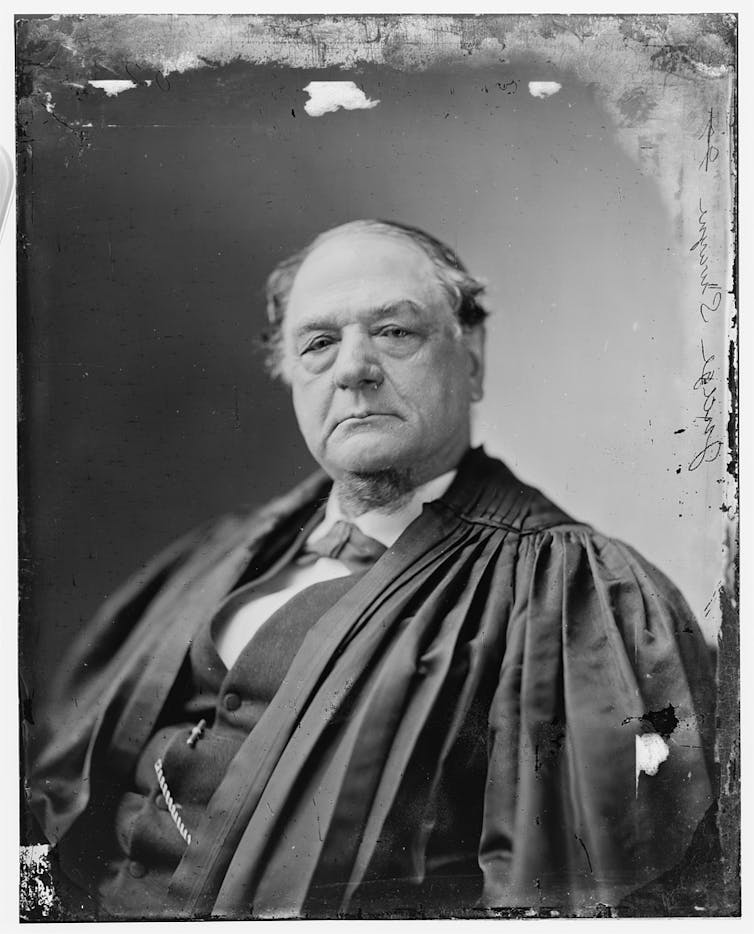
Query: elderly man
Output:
(411,685)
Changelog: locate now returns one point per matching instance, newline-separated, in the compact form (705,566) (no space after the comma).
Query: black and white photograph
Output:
(377,465)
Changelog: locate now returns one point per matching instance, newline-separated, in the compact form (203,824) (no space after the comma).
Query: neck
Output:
(382,489)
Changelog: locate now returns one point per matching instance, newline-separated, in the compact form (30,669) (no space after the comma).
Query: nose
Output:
(357,365)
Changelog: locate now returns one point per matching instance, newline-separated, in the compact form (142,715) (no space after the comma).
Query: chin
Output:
(361,455)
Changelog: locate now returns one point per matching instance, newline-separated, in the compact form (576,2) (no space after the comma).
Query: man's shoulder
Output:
(247,523)
(536,517)
(311,491)
(488,490)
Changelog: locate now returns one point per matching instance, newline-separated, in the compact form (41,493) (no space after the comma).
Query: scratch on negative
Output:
(585,851)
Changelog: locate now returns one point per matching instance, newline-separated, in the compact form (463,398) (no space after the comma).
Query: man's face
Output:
(382,376)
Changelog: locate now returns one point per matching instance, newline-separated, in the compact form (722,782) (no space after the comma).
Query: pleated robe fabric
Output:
(489,682)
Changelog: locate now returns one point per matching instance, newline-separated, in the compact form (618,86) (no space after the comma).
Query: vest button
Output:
(161,803)
(232,701)
(137,870)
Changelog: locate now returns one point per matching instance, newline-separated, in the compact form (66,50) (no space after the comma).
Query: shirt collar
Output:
(386,527)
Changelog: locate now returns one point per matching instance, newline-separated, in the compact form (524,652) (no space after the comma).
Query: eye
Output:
(394,330)
(318,344)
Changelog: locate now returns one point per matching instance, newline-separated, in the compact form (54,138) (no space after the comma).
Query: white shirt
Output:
(384,525)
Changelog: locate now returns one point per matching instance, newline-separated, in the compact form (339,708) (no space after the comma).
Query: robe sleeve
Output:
(57,746)
(600,755)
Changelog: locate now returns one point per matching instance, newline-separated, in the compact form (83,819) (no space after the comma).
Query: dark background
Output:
(150,220)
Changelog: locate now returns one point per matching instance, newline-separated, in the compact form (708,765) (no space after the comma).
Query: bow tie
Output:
(348,544)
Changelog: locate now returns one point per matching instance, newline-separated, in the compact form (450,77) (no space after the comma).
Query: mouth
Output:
(356,419)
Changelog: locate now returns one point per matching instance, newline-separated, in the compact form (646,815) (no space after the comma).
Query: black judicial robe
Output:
(486,682)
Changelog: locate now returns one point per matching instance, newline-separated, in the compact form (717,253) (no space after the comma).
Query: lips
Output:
(355,417)
(359,416)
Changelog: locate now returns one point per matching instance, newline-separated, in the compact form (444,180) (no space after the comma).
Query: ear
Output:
(473,339)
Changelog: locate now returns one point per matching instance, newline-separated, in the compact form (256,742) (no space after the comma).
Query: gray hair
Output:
(461,286)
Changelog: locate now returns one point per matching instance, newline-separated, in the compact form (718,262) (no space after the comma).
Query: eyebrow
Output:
(326,322)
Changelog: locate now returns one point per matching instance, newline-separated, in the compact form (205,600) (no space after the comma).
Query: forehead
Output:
(363,270)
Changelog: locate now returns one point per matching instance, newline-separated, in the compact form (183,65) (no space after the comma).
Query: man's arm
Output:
(57,745)
(600,756)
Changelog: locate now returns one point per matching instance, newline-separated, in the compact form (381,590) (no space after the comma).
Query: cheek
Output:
(305,408)
(309,408)
(440,388)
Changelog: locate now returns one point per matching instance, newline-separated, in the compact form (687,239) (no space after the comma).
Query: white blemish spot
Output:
(185,61)
(49,103)
(651,752)
(36,894)
(544,88)
(711,71)
(112,87)
(329,96)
